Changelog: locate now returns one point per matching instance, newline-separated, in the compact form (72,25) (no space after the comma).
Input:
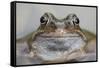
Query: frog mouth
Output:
(59,33)
(56,35)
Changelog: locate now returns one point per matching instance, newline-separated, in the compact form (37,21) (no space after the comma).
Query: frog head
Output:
(49,23)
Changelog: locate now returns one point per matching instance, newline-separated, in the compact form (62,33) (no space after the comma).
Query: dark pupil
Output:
(43,20)
(77,21)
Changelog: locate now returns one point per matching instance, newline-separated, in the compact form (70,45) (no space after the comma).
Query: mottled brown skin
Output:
(48,25)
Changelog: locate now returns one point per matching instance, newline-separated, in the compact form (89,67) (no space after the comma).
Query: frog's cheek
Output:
(67,24)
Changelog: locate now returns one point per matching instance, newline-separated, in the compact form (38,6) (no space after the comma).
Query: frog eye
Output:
(43,20)
(76,21)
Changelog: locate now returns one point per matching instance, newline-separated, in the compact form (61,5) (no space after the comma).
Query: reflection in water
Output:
(23,57)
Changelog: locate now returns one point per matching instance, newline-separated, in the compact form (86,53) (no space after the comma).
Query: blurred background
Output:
(28,16)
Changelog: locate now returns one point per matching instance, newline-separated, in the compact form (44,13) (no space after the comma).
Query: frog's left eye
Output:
(43,20)
(76,21)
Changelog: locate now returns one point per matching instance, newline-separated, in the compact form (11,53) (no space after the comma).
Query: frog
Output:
(56,39)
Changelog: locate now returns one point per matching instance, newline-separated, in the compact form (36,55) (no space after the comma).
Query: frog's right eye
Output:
(43,20)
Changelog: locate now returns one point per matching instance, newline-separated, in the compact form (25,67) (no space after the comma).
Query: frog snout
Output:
(60,31)
(60,25)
